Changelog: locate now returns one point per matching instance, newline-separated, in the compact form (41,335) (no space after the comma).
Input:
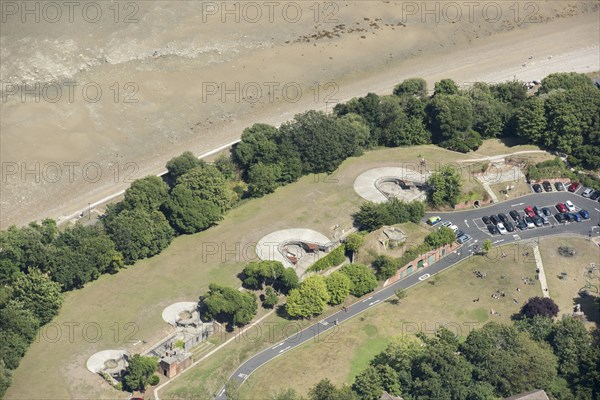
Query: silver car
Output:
(587,192)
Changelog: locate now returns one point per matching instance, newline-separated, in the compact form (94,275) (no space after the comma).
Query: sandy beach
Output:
(182,79)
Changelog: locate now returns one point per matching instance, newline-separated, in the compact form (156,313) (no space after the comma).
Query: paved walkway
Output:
(542,274)
(489,190)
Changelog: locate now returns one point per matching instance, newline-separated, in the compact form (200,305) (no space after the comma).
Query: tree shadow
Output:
(589,306)
(393,301)
(511,141)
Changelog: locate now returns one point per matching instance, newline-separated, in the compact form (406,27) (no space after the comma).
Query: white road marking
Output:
(221,392)
(374,302)
(516,205)
(596,209)
(276,346)
(287,348)
(466,223)
(498,241)
(367,299)
(423,277)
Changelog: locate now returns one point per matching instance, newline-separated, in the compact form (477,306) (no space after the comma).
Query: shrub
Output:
(154,380)
(362,277)
(335,258)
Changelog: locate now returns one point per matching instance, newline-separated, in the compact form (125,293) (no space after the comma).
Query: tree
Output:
(36,292)
(362,277)
(368,217)
(385,267)
(538,327)
(353,242)
(263,179)
(18,327)
(182,164)
(271,298)
(570,341)
(225,303)
(309,299)
(259,143)
(400,294)
(323,390)
(440,237)
(207,183)
(412,87)
(486,246)
(500,355)
(450,118)
(543,306)
(338,286)
(5,378)
(368,384)
(189,213)
(148,193)
(288,280)
(564,80)
(445,186)
(139,372)
(227,167)
(139,234)
(445,86)
(530,120)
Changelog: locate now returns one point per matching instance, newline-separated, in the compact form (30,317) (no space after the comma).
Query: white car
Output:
(570,206)
(454,228)
(501,229)
(446,224)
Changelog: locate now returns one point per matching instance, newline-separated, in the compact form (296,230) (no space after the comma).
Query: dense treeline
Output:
(496,361)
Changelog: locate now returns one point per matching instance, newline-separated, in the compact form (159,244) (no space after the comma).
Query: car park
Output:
(501,228)
(561,208)
(509,226)
(595,195)
(584,214)
(570,205)
(503,217)
(492,228)
(573,187)
(434,220)
(537,188)
(464,239)
(529,211)
(547,186)
(538,211)
(495,219)
(486,220)
(515,215)
(530,224)
(522,225)
(560,217)
(559,186)
(538,221)
(546,212)
(587,192)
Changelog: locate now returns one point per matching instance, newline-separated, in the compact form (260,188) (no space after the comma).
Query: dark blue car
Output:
(584,214)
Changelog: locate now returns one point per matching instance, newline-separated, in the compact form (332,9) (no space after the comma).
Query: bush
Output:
(334,258)
(154,380)
(385,267)
(362,277)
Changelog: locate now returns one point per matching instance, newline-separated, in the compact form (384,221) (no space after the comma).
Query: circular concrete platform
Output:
(97,362)
(371,184)
(172,313)
(269,247)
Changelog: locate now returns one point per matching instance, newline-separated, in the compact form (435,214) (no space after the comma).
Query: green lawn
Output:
(127,306)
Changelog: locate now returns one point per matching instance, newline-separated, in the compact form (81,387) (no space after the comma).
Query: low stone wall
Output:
(552,181)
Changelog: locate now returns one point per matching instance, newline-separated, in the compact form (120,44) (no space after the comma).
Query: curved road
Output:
(470,222)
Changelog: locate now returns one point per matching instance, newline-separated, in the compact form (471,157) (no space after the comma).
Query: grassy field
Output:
(124,310)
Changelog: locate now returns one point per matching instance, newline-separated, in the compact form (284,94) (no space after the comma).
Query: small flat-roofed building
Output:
(533,395)
(175,362)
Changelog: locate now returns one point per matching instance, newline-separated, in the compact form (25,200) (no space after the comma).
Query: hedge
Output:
(335,258)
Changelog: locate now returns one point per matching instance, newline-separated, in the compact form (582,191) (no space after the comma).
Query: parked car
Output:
(501,229)
(486,220)
(434,220)
(503,217)
(570,217)
(587,192)
(522,224)
(560,217)
(529,211)
(459,234)
(538,221)
(495,219)
(559,186)
(538,211)
(529,222)
(515,215)
(447,224)
(573,187)
(546,212)
(545,220)
(595,195)
(492,228)
(577,217)
(561,208)
(547,186)
(537,188)
(509,226)
(464,239)
(454,228)
(570,205)
(584,214)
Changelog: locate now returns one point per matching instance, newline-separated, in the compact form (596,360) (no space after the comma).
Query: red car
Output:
(529,211)
(562,208)
(573,187)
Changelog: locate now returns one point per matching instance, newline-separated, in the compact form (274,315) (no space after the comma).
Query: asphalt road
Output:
(470,222)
